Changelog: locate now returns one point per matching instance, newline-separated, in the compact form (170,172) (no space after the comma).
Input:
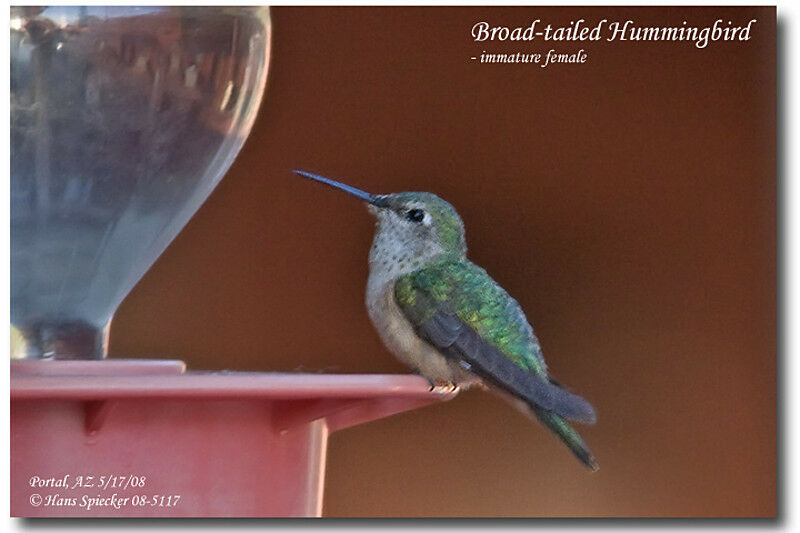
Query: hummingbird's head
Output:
(422,221)
(420,224)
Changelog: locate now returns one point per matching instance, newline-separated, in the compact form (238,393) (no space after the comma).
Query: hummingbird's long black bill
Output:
(374,199)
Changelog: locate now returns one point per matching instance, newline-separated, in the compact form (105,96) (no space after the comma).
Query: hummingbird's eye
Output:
(415,215)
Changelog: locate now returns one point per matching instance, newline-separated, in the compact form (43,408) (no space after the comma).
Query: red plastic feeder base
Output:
(123,438)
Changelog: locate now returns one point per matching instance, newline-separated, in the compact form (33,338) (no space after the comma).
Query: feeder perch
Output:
(179,443)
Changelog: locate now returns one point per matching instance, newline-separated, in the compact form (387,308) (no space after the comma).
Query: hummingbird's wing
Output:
(458,308)
(469,318)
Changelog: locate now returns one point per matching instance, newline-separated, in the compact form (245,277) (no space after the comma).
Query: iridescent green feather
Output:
(468,291)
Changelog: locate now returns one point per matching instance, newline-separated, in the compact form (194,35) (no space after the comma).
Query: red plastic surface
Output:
(145,438)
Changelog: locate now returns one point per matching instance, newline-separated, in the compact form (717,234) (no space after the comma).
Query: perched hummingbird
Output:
(443,315)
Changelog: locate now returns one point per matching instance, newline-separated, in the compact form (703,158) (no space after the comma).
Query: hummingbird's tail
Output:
(557,424)
(567,434)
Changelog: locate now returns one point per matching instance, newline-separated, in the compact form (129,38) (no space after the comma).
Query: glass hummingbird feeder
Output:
(123,120)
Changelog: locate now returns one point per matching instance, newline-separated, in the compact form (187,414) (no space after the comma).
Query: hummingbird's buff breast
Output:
(400,338)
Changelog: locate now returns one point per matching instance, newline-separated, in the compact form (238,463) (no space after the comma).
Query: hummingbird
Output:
(448,320)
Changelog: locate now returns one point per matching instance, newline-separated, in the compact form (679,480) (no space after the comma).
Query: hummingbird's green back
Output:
(458,308)
(468,291)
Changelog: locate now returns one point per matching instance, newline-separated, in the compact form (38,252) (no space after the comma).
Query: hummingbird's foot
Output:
(448,386)
(452,388)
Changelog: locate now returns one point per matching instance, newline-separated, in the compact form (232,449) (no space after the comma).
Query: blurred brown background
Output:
(628,203)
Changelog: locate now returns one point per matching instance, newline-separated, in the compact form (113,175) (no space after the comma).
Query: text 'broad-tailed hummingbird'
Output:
(443,315)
